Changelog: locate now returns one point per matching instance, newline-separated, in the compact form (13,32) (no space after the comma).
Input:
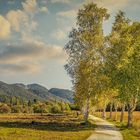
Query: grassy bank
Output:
(128,134)
(47,126)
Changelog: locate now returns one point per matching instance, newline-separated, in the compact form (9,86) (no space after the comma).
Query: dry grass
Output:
(46,127)
(136,116)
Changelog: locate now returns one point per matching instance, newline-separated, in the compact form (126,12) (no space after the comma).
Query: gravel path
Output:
(104,130)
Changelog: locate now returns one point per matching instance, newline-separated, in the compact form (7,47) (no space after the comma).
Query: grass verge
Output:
(128,133)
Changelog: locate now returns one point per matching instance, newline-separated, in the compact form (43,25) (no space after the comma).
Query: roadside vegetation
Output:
(128,133)
(105,69)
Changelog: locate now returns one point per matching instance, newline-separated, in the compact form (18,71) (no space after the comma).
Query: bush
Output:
(67,107)
(4,108)
(16,109)
(74,107)
(27,109)
(56,109)
(40,108)
(64,106)
(49,108)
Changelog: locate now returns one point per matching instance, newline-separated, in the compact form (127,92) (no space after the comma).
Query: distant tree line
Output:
(17,105)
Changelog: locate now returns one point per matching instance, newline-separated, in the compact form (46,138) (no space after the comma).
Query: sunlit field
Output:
(136,116)
(129,134)
(47,127)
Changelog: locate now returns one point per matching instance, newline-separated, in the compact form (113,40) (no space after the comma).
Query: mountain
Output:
(18,91)
(62,93)
(34,91)
(42,92)
(21,85)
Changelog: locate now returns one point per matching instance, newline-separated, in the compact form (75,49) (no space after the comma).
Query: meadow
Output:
(128,133)
(46,126)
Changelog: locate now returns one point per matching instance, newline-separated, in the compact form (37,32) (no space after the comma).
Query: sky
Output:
(33,34)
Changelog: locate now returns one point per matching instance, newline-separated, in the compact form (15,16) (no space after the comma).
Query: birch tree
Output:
(85,53)
(123,60)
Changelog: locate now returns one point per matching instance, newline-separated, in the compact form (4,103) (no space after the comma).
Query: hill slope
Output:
(14,90)
(34,91)
(42,92)
(62,93)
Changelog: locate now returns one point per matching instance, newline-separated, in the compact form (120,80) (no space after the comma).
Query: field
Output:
(129,134)
(58,127)
(43,127)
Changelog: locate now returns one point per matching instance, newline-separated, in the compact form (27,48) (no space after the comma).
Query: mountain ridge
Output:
(35,91)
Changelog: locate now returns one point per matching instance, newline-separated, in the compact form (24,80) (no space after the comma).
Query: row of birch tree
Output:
(104,69)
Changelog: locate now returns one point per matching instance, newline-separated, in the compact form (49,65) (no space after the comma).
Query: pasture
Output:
(46,126)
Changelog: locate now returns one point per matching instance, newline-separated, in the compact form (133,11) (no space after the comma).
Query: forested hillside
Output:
(31,92)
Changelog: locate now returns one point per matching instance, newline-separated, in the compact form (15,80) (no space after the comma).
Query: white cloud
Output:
(30,6)
(22,20)
(55,52)
(19,68)
(30,51)
(68,14)
(44,9)
(5,29)
(33,25)
(28,55)
(17,19)
(59,34)
(60,1)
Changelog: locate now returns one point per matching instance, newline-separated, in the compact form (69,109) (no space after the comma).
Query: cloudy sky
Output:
(34,32)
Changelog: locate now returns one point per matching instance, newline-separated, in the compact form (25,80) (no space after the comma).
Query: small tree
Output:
(40,108)
(56,109)
(16,109)
(29,103)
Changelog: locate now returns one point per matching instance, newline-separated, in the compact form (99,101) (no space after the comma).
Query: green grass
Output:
(46,127)
(128,133)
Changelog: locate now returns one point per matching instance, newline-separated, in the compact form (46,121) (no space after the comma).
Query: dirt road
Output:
(104,130)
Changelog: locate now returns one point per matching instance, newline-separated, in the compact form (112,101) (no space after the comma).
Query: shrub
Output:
(16,109)
(4,108)
(64,106)
(56,109)
(74,107)
(48,107)
(40,108)
(67,107)
(27,109)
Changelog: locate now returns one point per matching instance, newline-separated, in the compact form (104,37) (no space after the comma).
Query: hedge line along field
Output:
(46,126)
(128,134)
